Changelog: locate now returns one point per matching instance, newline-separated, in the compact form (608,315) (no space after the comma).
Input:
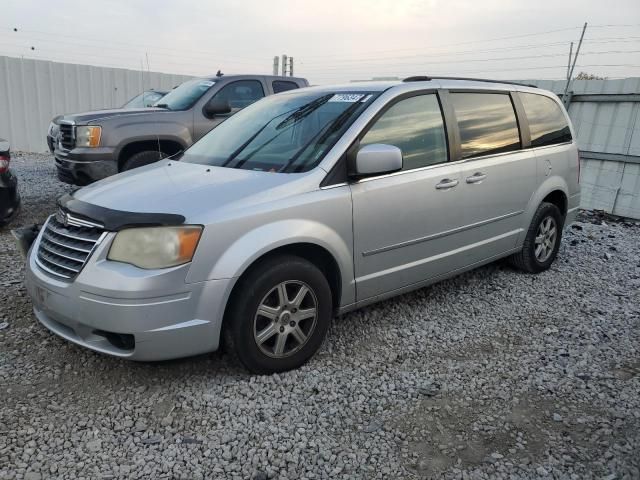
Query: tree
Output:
(589,76)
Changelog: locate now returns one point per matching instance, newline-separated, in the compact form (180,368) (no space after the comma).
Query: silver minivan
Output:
(305,205)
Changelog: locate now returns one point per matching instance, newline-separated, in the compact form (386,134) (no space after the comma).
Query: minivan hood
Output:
(189,189)
(100,115)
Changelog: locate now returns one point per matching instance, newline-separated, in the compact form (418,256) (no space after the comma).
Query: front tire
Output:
(542,242)
(279,315)
(142,158)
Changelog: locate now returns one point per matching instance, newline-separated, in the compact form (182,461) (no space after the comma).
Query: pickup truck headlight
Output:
(88,136)
(155,247)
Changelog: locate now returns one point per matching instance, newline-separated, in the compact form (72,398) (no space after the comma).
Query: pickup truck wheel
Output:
(542,241)
(279,315)
(142,158)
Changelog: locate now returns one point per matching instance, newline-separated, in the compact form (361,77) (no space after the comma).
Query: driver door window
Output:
(415,126)
(241,94)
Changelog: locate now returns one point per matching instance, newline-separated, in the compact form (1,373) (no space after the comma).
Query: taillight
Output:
(4,163)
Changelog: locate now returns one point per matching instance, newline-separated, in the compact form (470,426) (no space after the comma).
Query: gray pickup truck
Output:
(95,145)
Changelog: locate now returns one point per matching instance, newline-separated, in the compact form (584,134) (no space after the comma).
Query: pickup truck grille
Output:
(67,136)
(64,250)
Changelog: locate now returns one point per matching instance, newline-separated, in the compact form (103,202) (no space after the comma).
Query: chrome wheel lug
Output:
(281,329)
(292,323)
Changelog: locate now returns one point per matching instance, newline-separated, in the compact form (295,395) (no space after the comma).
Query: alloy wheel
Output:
(546,238)
(285,319)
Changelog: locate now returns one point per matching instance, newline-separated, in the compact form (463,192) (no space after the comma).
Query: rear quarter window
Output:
(487,123)
(283,86)
(547,122)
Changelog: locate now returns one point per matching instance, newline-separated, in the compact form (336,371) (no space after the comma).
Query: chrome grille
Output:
(64,249)
(67,136)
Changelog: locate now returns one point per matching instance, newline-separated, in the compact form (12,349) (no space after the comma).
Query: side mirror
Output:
(376,159)
(217,107)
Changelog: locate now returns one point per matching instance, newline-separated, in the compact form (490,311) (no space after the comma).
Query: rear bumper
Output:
(127,312)
(82,166)
(9,197)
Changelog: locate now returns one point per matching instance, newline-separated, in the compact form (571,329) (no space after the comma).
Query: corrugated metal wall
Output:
(608,127)
(32,92)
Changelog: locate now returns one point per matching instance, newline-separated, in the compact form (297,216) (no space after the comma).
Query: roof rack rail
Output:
(419,78)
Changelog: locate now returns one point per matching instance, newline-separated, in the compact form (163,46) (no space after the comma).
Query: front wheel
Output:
(542,242)
(142,158)
(279,315)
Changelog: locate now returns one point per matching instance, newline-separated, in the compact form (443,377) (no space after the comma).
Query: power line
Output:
(475,60)
(198,57)
(563,67)
(103,42)
(463,43)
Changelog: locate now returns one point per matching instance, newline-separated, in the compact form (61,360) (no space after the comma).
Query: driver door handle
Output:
(446,184)
(476,177)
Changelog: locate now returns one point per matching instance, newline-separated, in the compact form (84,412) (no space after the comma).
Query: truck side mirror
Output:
(216,107)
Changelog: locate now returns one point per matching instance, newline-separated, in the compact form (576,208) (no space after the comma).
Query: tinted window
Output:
(283,86)
(241,94)
(415,126)
(487,123)
(547,122)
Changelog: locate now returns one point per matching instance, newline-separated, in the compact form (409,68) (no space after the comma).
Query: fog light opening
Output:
(123,341)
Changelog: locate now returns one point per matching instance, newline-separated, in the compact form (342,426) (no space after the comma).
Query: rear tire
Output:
(279,315)
(542,242)
(142,158)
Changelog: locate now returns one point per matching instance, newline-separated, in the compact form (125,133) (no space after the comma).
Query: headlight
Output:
(88,136)
(155,247)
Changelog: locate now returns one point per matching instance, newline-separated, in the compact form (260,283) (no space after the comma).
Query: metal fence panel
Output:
(606,125)
(32,92)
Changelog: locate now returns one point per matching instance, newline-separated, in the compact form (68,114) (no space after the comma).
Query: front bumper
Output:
(82,166)
(127,312)
(9,197)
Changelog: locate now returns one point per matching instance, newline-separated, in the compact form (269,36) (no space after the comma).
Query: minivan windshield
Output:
(185,95)
(282,133)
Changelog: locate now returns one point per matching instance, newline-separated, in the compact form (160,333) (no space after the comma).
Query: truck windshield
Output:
(185,95)
(283,133)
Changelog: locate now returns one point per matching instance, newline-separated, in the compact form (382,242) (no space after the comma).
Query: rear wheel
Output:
(279,316)
(142,158)
(542,242)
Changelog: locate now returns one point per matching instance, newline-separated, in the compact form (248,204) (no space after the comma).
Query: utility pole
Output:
(573,65)
(284,65)
(276,65)
(569,63)
(291,66)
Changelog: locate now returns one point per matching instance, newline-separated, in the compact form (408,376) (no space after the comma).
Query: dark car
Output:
(145,99)
(9,197)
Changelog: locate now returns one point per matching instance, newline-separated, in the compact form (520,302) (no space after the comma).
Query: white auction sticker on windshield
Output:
(347,97)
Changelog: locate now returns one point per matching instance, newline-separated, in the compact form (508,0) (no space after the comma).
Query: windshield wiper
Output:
(162,105)
(294,117)
(323,134)
(304,111)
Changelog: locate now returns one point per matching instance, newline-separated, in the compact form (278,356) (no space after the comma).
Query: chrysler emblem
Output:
(62,217)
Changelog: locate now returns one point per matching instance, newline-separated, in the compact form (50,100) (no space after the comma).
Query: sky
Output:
(331,41)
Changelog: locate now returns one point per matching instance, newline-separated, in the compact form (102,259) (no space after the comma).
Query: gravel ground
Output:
(494,374)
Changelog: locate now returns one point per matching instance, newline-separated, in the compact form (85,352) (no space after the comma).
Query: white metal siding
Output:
(32,92)
(604,127)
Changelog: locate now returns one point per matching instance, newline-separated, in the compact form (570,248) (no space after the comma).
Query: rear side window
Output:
(487,123)
(547,123)
(283,86)
(415,126)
